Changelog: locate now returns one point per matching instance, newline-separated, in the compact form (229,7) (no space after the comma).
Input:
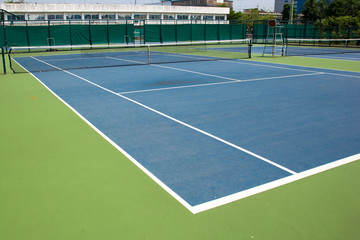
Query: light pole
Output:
(291,11)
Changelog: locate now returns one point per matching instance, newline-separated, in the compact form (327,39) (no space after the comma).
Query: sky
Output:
(238,4)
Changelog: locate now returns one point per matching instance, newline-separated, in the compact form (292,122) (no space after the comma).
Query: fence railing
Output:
(133,31)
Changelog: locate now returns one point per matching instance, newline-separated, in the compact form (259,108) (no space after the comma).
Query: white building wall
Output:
(101,8)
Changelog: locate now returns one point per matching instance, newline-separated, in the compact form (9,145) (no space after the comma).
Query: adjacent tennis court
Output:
(212,132)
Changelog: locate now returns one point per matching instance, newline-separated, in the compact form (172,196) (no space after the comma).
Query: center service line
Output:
(178,121)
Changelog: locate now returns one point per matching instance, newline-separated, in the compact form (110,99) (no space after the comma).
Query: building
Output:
(65,12)
(298,5)
(279,5)
(204,3)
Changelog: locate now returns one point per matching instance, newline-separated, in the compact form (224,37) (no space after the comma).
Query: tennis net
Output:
(55,58)
(300,47)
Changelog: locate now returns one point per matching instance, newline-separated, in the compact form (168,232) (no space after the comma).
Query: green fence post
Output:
(49,34)
(3,59)
(4,28)
(126,31)
(27,34)
(205,38)
(176,30)
(70,33)
(160,32)
(107,32)
(90,40)
(191,29)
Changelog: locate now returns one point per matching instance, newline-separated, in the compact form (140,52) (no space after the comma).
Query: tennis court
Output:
(338,49)
(212,132)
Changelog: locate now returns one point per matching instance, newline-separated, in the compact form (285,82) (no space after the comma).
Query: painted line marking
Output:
(220,83)
(227,199)
(176,120)
(333,57)
(277,183)
(133,160)
(251,62)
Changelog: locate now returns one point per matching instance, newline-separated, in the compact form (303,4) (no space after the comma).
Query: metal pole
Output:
(3,59)
(291,11)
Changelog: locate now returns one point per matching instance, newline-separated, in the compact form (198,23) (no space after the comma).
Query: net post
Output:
(10,62)
(3,59)
(27,34)
(4,31)
(148,52)
(107,32)
(70,34)
(90,40)
(250,45)
(49,34)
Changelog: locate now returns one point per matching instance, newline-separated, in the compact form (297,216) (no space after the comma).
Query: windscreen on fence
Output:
(193,32)
(261,30)
(68,33)
(60,58)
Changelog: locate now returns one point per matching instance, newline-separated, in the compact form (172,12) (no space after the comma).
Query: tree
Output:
(310,11)
(321,6)
(339,8)
(256,14)
(234,15)
(286,12)
(11,1)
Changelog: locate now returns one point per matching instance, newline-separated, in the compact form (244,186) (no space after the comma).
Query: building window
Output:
(74,16)
(91,16)
(55,17)
(140,16)
(36,17)
(182,17)
(157,17)
(219,17)
(195,17)
(108,16)
(167,16)
(208,17)
(16,17)
(124,16)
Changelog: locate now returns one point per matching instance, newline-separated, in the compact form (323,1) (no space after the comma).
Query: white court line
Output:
(176,120)
(277,183)
(133,160)
(252,62)
(163,185)
(220,83)
(264,65)
(232,80)
(249,63)
(324,72)
(217,202)
(333,57)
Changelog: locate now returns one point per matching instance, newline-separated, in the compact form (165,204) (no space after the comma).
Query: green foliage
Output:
(286,12)
(342,22)
(340,27)
(321,6)
(339,8)
(310,11)
(11,1)
(254,14)
(234,15)
(251,15)
(313,10)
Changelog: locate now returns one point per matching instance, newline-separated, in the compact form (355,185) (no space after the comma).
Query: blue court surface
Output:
(344,56)
(328,53)
(214,132)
